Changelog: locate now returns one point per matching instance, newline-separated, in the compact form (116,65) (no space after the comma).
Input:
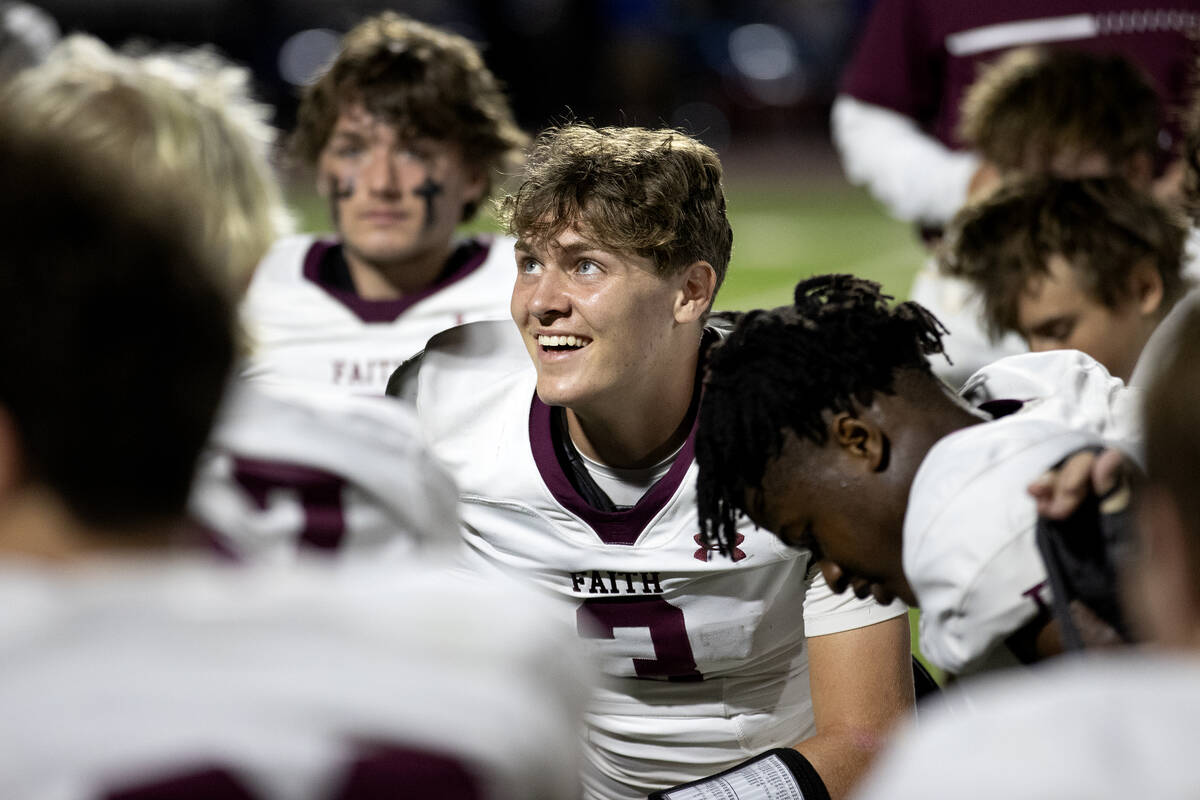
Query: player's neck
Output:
(379,280)
(634,432)
(36,525)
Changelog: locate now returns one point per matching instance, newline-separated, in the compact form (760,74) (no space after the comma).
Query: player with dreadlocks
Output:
(823,422)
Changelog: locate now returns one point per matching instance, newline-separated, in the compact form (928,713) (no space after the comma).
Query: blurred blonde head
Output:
(176,122)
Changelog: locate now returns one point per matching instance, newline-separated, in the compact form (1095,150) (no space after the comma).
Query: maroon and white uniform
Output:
(895,122)
(896,119)
(1106,727)
(289,470)
(307,325)
(705,656)
(970,549)
(193,680)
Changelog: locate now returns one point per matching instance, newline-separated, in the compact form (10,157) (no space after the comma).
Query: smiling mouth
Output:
(560,344)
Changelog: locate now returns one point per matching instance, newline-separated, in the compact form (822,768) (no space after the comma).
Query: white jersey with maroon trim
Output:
(1067,386)
(289,470)
(705,656)
(970,552)
(303,330)
(1108,727)
(189,679)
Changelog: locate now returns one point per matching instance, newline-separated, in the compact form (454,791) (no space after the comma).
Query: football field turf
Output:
(781,235)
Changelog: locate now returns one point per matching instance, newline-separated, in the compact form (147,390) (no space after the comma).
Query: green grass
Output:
(782,236)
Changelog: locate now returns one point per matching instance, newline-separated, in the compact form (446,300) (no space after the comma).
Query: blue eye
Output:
(588,268)
(530,266)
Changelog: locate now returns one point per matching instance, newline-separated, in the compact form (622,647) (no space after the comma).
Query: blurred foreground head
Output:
(115,342)
(1165,591)
(179,121)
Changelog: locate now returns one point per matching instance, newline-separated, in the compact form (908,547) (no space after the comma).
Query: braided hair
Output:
(782,369)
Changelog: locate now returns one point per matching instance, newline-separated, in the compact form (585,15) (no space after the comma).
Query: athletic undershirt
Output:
(626,486)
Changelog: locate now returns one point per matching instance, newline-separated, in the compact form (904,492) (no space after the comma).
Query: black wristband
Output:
(779,774)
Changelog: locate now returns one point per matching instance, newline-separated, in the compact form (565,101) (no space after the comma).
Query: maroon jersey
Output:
(918,57)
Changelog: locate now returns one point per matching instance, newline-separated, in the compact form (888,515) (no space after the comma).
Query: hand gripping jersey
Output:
(705,656)
(1107,727)
(289,471)
(305,329)
(970,552)
(191,680)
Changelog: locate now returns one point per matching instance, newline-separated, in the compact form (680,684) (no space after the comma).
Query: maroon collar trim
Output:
(387,310)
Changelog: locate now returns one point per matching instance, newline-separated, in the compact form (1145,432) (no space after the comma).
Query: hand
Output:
(1059,491)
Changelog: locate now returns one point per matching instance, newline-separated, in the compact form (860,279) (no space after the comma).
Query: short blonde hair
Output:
(174,121)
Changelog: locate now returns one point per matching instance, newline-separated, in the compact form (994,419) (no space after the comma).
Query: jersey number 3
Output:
(673,659)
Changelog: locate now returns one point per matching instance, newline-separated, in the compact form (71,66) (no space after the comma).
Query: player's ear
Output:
(698,285)
(1146,286)
(862,440)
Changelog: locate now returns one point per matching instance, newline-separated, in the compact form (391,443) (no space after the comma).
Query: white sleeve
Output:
(826,612)
(1067,387)
(914,175)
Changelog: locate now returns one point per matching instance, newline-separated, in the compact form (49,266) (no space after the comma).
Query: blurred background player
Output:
(1032,112)
(823,422)
(1092,265)
(1107,726)
(576,471)
(284,471)
(896,121)
(406,131)
(133,669)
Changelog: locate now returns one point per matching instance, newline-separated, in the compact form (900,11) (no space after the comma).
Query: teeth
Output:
(561,341)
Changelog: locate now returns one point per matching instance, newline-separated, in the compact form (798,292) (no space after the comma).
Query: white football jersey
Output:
(1102,727)
(970,552)
(289,470)
(303,330)
(1069,387)
(705,656)
(301,683)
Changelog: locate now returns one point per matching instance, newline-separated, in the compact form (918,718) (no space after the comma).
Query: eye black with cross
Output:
(428,190)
